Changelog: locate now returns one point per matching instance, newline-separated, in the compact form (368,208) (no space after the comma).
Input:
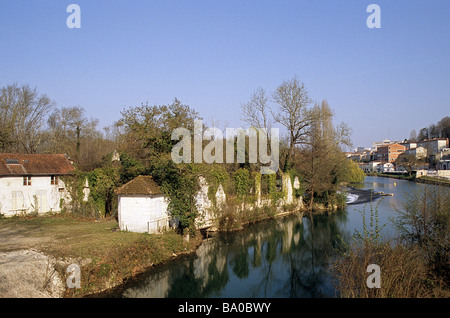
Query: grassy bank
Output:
(433,180)
(106,256)
(394,176)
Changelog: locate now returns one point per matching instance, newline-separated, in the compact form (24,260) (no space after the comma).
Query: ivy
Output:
(216,176)
(272,190)
(242,183)
(103,182)
(301,190)
(180,185)
(131,168)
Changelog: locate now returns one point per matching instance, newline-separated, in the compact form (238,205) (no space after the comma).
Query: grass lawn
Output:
(109,256)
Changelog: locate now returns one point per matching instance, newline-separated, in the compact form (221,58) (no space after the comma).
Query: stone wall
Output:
(209,211)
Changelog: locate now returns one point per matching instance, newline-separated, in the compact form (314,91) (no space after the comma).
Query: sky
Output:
(212,55)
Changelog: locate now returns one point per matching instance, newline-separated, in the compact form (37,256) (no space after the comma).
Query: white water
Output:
(351,198)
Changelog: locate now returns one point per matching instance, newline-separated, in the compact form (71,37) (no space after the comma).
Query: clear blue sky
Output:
(212,55)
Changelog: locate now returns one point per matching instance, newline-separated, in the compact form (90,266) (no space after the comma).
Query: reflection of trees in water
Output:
(285,257)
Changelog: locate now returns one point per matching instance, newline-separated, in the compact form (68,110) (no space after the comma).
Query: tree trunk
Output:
(312,200)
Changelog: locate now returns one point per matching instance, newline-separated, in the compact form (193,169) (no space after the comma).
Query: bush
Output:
(425,222)
(415,269)
(403,272)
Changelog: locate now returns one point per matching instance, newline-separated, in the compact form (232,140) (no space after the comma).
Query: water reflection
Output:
(285,257)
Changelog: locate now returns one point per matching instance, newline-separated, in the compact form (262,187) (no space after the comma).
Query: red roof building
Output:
(30,183)
(14,164)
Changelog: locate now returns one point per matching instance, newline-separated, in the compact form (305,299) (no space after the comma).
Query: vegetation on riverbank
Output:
(415,264)
(140,143)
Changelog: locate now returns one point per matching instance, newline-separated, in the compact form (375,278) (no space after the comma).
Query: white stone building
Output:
(418,152)
(31,183)
(142,206)
(385,167)
(434,146)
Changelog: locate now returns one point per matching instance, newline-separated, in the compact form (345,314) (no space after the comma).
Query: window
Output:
(26,181)
(54,180)
(40,201)
(12,162)
(17,200)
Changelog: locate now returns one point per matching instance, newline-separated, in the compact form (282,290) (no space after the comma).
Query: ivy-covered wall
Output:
(245,201)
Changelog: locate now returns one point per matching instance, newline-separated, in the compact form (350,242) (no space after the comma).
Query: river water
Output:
(284,257)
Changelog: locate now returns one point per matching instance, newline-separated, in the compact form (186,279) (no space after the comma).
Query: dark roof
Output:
(141,185)
(14,164)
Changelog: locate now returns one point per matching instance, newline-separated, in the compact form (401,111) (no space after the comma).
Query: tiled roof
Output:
(141,185)
(13,164)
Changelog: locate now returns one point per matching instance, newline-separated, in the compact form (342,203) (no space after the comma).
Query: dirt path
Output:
(24,271)
(15,238)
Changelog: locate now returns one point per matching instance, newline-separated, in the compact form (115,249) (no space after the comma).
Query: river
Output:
(284,257)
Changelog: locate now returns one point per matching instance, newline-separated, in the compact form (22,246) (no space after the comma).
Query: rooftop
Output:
(14,164)
(141,185)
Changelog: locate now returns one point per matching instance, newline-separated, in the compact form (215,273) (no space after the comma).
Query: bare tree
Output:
(23,114)
(413,136)
(256,112)
(444,127)
(65,126)
(293,113)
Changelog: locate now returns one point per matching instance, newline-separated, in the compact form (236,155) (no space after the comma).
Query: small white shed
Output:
(142,206)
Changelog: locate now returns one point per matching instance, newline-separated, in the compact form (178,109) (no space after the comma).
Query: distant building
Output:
(373,166)
(364,167)
(444,160)
(443,164)
(361,149)
(389,153)
(434,146)
(385,167)
(369,167)
(377,144)
(409,145)
(419,152)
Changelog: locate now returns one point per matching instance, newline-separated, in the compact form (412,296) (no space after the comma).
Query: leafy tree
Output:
(131,168)
(148,129)
(352,172)
(319,160)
